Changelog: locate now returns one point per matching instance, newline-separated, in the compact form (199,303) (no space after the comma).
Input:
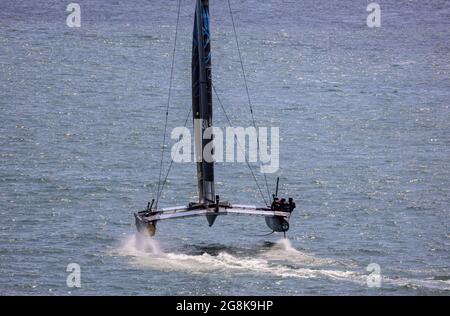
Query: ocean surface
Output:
(364,122)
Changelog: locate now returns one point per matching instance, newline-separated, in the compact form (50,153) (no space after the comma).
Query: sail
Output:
(202,96)
(202,100)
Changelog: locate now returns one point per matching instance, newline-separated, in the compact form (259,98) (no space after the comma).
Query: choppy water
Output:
(364,119)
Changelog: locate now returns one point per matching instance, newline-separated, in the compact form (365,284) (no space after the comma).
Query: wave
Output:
(279,259)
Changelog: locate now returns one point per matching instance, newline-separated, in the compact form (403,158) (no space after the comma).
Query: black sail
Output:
(202,100)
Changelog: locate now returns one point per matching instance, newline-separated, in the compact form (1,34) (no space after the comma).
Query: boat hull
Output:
(277,223)
(146,220)
(145,227)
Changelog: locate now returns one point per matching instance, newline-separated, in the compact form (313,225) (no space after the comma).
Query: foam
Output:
(281,260)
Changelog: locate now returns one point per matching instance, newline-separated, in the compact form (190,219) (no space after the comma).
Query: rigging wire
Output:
(246,86)
(237,141)
(171,161)
(161,185)
(168,105)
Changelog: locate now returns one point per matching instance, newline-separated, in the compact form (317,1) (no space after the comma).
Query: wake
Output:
(279,260)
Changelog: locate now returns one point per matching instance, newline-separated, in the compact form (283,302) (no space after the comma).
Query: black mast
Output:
(202,100)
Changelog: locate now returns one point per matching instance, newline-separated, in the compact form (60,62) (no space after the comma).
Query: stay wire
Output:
(158,193)
(246,86)
(237,141)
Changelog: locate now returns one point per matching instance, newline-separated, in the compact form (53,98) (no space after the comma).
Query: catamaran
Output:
(209,205)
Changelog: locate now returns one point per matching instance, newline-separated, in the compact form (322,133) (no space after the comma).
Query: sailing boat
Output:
(209,204)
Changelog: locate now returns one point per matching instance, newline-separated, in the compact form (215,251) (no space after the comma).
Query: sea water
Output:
(364,148)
